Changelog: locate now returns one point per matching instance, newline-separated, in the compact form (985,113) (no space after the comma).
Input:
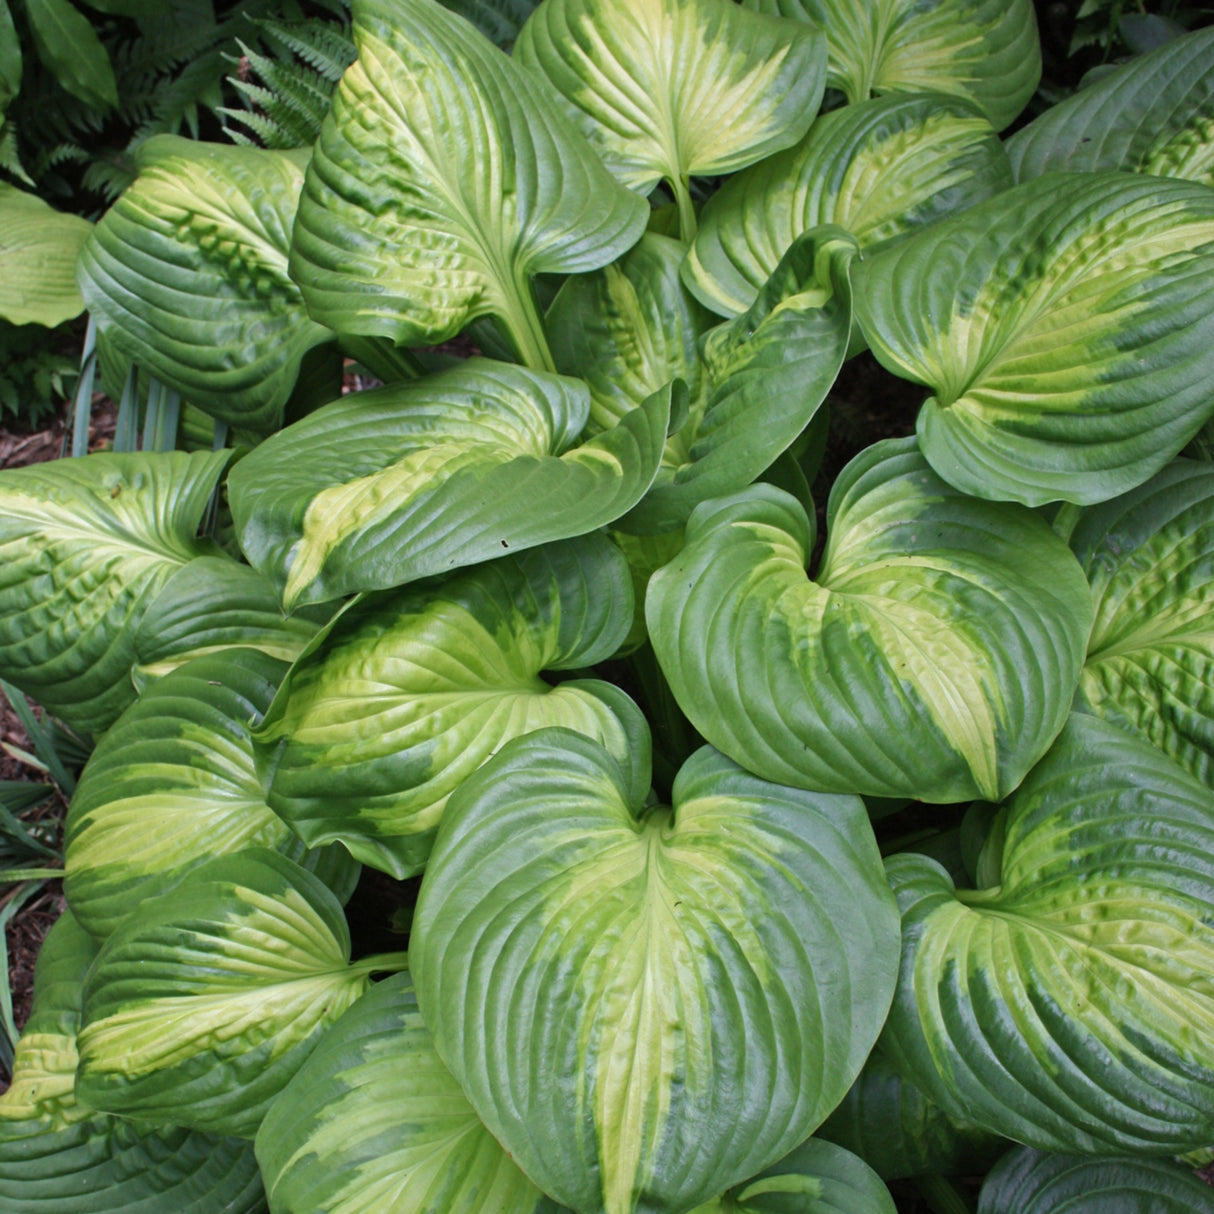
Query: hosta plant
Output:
(729,870)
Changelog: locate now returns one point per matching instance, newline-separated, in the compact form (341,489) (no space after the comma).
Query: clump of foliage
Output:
(742,872)
(38,369)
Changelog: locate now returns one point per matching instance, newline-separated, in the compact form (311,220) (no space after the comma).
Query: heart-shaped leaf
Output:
(171,785)
(57,1157)
(86,545)
(444,178)
(649,1006)
(670,89)
(1070,1006)
(374,1120)
(1065,327)
(880,169)
(200,1009)
(385,487)
(933,656)
(408,693)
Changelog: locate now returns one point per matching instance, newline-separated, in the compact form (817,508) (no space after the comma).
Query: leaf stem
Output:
(382,963)
(942,1195)
(525,328)
(688,226)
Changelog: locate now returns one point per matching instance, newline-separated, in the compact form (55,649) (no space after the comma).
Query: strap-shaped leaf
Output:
(898,1132)
(187,273)
(1149,556)
(1029,1182)
(817,1178)
(385,487)
(58,1158)
(1153,115)
(986,51)
(38,257)
(85,547)
(646,1010)
(670,89)
(215,603)
(374,1121)
(880,169)
(10,57)
(499,20)
(171,785)
(410,692)
(1070,1007)
(199,1010)
(444,178)
(1065,328)
(933,656)
(70,48)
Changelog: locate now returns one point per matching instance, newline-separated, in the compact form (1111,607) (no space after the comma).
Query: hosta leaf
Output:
(385,487)
(933,656)
(986,51)
(1153,115)
(59,1158)
(670,89)
(214,603)
(816,1178)
(880,169)
(1149,556)
(187,274)
(374,1121)
(38,249)
(410,692)
(1070,1007)
(171,785)
(898,1132)
(1028,1182)
(1065,328)
(199,1010)
(85,547)
(445,177)
(647,1007)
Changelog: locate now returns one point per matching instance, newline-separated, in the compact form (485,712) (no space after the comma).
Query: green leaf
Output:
(409,692)
(933,655)
(86,545)
(67,44)
(1066,331)
(187,276)
(212,604)
(671,89)
(880,169)
(499,20)
(10,58)
(816,1178)
(1154,115)
(986,51)
(1149,556)
(374,1120)
(199,1010)
(444,179)
(897,1131)
(171,785)
(1027,1182)
(1070,1007)
(385,487)
(646,1007)
(57,1157)
(38,250)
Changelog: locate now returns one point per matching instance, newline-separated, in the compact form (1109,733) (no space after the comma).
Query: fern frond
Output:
(10,158)
(326,48)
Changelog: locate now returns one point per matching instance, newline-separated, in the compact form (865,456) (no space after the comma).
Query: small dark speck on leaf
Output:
(115,491)
(504,544)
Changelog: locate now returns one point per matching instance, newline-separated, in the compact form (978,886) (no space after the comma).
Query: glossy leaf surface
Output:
(880,170)
(172,785)
(374,1121)
(385,487)
(57,1157)
(1065,329)
(409,692)
(86,545)
(647,1008)
(931,656)
(443,180)
(1070,1007)
(199,1010)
